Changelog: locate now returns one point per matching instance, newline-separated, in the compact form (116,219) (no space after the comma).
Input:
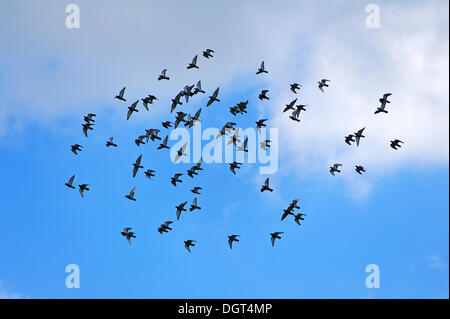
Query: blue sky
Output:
(395,216)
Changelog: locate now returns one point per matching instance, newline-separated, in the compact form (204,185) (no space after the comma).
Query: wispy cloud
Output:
(436,262)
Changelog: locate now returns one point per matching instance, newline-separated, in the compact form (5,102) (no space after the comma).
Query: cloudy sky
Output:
(395,215)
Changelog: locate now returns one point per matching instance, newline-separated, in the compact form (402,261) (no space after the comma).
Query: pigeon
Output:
(294,87)
(120,96)
(128,234)
(295,115)
(166,124)
(148,100)
(75,148)
(176,179)
(83,187)
(207,53)
(234,110)
(189,243)
(164,228)
(260,124)
(359,135)
(180,208)
(243,147)
(152,134)
(286,212)
(265,144)
(163,76)
(137,165)
(197,167)
(179,118)
(213,97)
(196,189)
(69,183)
(231,239)
(132,109)
(176,101)
(274,236)
(194,205)
(181,152)
(198,88)
(294,205)
(301,107)
(196,116)
(266,187)
(191,172)
(89,118)
(323,83)
(193,64)
(395,144)
(110,142)
(149,173)
(227,128)
(187,92)
(383,101)
(233,166)
(349,139)
(359,169)
(86,127)
(262,95)
(261,69)
(335,168)
(139,140)
(298,218)
(164,143)
(290,106)
(130,196)
(234,138)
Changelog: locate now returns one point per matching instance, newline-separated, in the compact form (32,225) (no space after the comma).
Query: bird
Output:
(261,69)
(187,92)
(130,196)
(383,101)
(349,139)
(231,239)
(286,212)
(233,166)
(193,64)
(69,183)
(176,179)
(260,124)
(243,147)
(89,118)
(139,140)
(132,109)
(181,152)
(227,128)
(194,205)
(213,97)
(163,76)
(198,88)
(323,83)
(176,101)
(75,148)
(152,134)
(179,118)
(83,187)
(275,235)
(148,100)
(128,234)
(197,167)
(298,218)
(294,205)
(263,96)
(207,53)
(180,208)
(149,173)
(164,228)
(120,96)
(166,124)
(110,142)
(294,87)
(164,143)
(196,117)
(189,243)
(86,127)
(191,172)
(395,144)
(265,144)
(359,135)
(295,115)
(290,106)
(335,168)
(235,138)
(359,169)
(266,187)
(137,165)
(196,189)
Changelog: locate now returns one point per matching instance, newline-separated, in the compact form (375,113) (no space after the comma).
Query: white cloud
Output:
(4,294)
(436,262)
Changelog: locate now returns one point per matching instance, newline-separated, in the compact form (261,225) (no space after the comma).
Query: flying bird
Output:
(193,64)
(164,143)
(233,166)
(261,69)
(274,236)
(164,228)
(323,83)
(207,53)
(195,190)
(132,109)
(149,173)
(231,239)
(290,106)
(335,168)
(294,205)
(166,124)
(130,196)
(83,187)
(70,182)
(383,101)
(137,165)
(359,169)
(266,187)
(176,101)
(181,152)
(120,96)
(349,139)
(163,76)
(295,115)
(188,244)
(89,118)
(260,124)
(263,96)
(110,142)
(75,148)
(180,208)
(243,147)
(176,179)
(294,87)
(286,212)
(395,144)
(359,135)
(128,234)
(86,127)
(139,140)
(298,217)
(198,88)
(194,205)
(213,98)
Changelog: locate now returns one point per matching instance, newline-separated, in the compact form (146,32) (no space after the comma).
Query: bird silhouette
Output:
(193,64)
(266,187)
(130,196)
(180,208)
(383,101)
(323,83)
(395,144)
(132,109)
(231,239)
(275,235)
(294,87)
(213,98)
(188,243)
(207,53)
(261,69)
(335,168)
(70,182)
(120,96)
(110,142)
(137,165)
(163,75)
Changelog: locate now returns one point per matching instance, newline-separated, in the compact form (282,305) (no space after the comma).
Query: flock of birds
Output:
(228,129)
